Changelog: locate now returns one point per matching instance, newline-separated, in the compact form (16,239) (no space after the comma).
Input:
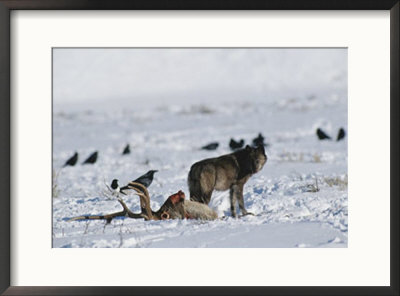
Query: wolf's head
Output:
(251,160)
(259,157)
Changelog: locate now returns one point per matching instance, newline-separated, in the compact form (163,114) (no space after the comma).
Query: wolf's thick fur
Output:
(230,171)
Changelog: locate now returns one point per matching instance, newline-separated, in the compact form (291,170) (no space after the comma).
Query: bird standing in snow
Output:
(92,158)
(127,150)
(211,146)
(259,141)
(72,160)
(341,134)
(236,145)
(322,135)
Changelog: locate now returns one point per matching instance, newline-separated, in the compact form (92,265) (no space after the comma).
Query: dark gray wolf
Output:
(230,171)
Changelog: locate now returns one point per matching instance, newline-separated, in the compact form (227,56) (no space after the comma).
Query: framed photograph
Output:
(166,148)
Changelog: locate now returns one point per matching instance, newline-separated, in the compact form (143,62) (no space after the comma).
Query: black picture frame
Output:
(5,116)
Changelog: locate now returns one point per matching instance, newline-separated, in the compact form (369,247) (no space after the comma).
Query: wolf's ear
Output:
(261,148)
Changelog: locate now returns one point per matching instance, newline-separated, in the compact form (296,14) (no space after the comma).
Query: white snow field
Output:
(299,198)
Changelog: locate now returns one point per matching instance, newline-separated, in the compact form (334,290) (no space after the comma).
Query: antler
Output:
(146,213)
(144,196)
(126,212)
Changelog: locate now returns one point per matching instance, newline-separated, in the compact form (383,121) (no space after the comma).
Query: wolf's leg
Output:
(241,200)
(239,194)
(233,197)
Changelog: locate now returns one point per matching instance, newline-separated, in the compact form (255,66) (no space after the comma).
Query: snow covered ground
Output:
(299,198)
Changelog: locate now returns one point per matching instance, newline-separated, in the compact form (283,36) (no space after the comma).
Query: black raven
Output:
(236,145)
(92,158)
(145,180)
(127,150)
(72,160)
(341,134)
(211,146)
(259,141)
(321,135)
